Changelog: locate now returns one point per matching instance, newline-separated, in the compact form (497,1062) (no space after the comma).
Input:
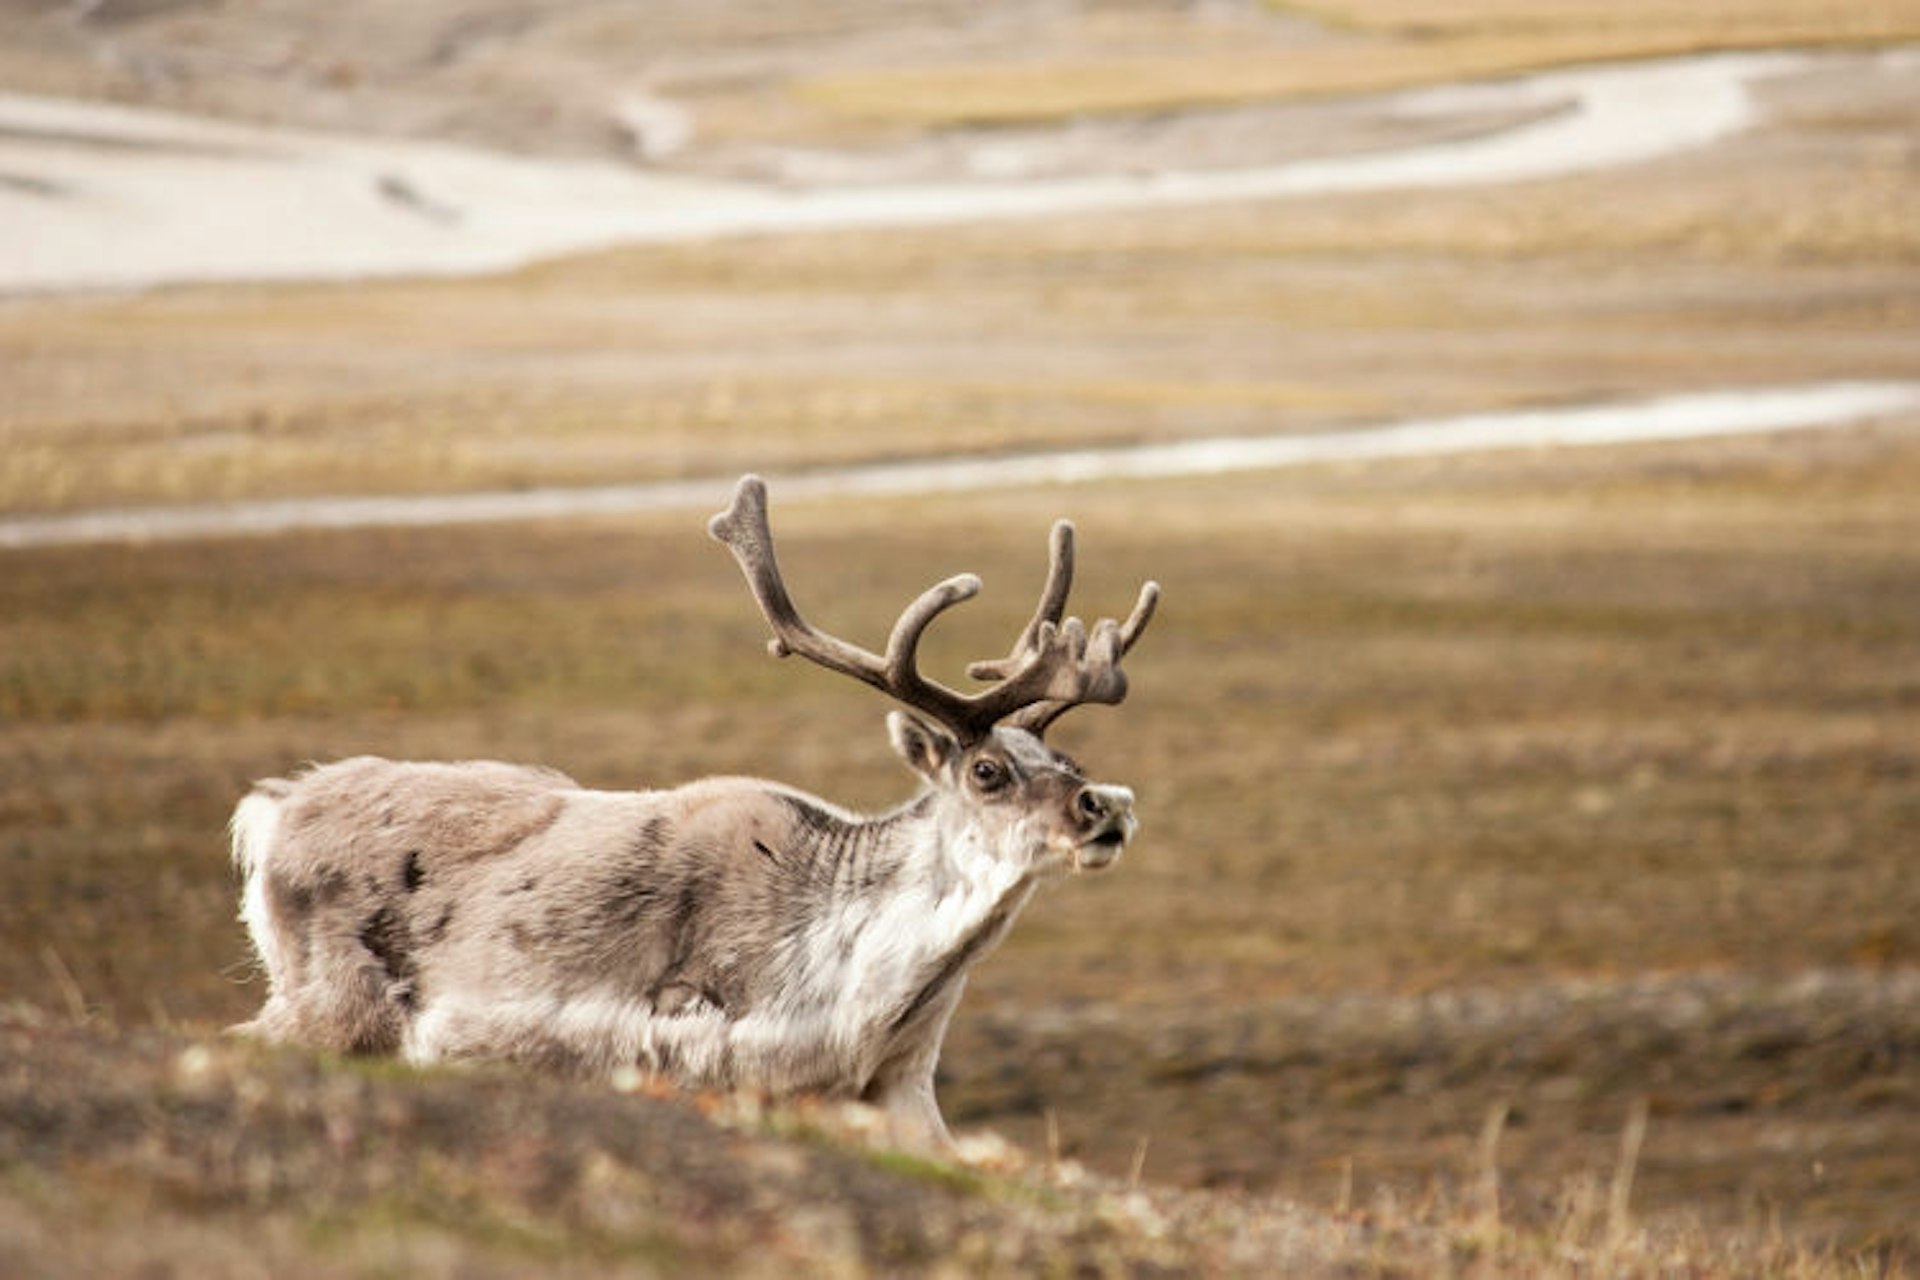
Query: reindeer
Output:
(728,933)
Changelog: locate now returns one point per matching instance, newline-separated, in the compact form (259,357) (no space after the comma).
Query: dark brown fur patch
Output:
(437,931)
(386,935)
(290,903)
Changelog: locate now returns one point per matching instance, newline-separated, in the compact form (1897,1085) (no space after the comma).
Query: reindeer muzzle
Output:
(1107,823)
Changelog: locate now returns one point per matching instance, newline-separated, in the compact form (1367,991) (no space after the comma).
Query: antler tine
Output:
(1102,679)
(1053,603)
(744,529)
(1056,664)
(1142,614)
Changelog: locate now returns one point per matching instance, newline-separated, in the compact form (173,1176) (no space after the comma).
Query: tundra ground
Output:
(1489,803)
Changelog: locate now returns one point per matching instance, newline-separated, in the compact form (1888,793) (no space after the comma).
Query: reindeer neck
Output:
(907,901)
(846,855)
(928,849)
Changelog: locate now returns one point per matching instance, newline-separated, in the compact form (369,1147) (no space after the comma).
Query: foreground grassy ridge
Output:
(1482,723)
(136,1153)
(1391,44)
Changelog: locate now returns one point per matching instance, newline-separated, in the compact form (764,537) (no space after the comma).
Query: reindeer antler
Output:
(1094,658)
(1054,666)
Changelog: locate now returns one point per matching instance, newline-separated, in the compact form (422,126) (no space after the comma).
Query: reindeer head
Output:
(983,753)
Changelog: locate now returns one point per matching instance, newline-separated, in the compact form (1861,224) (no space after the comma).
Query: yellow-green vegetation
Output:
(1389,44)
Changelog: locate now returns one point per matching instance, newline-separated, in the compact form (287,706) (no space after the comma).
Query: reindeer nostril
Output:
(1092,806)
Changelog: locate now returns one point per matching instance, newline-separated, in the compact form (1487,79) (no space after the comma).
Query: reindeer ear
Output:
(925,747)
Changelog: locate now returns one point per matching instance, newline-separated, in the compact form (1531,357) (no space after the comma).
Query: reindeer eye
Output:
(989,775)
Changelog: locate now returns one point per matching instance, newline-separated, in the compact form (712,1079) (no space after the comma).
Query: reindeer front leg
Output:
(914,1122)
(903,1086)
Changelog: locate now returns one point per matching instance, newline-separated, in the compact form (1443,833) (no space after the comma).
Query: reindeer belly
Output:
(599,1032)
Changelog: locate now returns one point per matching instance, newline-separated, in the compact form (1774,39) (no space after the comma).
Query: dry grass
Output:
(1797,22)
(1559,787)
(1496,725)
(150,1152)
(1394,46)
(775,353)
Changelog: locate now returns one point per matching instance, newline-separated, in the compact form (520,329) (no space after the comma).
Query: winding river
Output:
(1678,417)
(96,196)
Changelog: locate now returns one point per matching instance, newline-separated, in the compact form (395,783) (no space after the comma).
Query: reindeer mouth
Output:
(1102,848)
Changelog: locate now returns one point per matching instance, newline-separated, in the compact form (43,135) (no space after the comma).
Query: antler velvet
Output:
(1056,664)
